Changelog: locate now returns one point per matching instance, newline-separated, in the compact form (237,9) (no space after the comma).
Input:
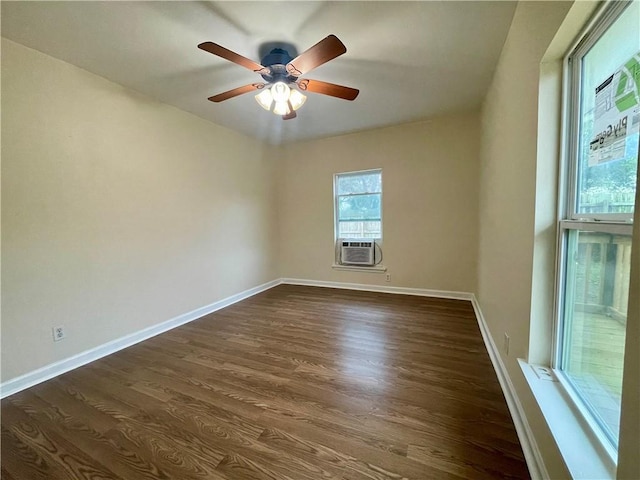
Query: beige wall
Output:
(517,211)
(429,176)
(508,197)
(629,450)
(118,212)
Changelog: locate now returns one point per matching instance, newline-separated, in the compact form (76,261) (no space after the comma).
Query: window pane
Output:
(369,182)
(595,316)
(359,207)
(610,119)
(359,229)
(358,202)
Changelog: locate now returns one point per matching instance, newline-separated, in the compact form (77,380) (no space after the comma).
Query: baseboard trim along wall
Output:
(58,368)
(421,292)
(532,454)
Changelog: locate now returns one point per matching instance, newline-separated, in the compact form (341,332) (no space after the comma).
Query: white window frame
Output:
(336,176)
(610,12)
(569,219)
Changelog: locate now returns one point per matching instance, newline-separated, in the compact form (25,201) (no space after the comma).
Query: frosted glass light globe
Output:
(280,92)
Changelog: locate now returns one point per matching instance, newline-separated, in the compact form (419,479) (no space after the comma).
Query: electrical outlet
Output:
(388,277)
(58,333)
(506,344)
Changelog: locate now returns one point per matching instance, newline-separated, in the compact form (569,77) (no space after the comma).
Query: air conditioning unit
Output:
(357,252)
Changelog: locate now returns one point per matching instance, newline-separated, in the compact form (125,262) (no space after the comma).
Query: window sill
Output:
(355,268)
(583,452)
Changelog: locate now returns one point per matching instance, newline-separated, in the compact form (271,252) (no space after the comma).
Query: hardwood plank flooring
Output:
(294,383)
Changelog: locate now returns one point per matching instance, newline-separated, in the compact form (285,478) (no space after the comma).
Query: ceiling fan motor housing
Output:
(276,60)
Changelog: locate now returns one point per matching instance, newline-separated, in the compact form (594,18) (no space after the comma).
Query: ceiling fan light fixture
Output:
(296,99)
(279,66)
(280,92)
(281,108)
(265,99)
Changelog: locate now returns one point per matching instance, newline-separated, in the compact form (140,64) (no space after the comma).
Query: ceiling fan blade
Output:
(326,49)
(231,56)
(236,91)
(326,88)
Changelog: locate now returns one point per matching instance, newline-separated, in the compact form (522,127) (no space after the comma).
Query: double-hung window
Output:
(358,204)
(603,107)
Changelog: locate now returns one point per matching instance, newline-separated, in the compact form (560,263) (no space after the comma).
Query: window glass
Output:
(595,258)
(595,318)
(609,119)
(358,208)
(353,183)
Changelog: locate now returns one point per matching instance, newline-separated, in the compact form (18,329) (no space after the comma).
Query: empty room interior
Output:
(304,240)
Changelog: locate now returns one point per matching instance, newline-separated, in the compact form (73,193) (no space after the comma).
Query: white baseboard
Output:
(58,368)
(381,288)
(532,454)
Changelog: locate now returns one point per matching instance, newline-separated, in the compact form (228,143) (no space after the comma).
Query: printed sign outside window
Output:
(616,114)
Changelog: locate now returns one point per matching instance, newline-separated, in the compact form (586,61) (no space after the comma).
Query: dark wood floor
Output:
(294,383)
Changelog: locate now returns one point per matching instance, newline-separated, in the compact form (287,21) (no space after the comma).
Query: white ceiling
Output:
(410,60)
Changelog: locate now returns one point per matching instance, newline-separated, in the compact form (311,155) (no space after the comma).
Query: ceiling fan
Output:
(282,73)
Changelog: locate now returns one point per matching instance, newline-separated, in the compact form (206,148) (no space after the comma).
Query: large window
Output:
(595,231)
(358,204)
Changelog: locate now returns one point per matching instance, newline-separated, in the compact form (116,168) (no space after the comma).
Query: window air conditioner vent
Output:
(357,252)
